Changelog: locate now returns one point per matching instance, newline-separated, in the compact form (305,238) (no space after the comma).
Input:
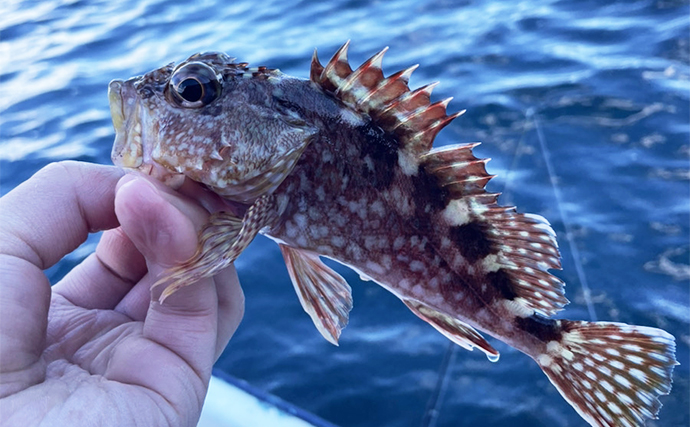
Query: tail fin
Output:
(611,373)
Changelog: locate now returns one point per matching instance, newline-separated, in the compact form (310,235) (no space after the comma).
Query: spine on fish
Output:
(611,373)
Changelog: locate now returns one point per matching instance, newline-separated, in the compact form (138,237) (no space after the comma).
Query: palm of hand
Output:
(95,349)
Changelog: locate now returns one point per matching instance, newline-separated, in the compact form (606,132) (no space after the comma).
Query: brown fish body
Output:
(347,200)
(342,166)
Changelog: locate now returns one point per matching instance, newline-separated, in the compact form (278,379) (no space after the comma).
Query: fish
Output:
(342,166)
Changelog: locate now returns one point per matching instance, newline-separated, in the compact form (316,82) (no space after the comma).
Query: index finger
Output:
(53,212)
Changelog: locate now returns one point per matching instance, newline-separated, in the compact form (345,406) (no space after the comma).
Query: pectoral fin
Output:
(460,333)
(324,294)
(221,241)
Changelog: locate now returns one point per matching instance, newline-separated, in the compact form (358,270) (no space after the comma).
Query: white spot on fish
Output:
(614,408)
(660,357)
(376,268)
(400,200)
(490,263)
(338,241)
(417,266)
(350,117)
(301,221)
(409,163)
(517,307)
(369,162)
(620,379)
(324,250)
(398,243)
(457,212)
(387,261)
(326,156)
(314,214)
(378,208)
(354,251)
(320,193)
(344,182)
(644,397)
(290,229)
(634,359)
(445,242)
(544,360)
(604,370)
(446,277)
(638,375)
(617,364)
(632,347)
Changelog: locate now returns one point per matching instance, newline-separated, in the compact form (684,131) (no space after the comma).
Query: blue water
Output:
(600,88)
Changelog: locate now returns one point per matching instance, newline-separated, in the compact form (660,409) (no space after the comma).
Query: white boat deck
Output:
(234,403)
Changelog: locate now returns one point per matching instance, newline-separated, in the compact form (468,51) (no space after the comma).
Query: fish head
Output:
(212,120)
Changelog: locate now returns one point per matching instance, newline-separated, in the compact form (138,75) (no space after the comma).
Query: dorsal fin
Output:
(409,115)
(524,245)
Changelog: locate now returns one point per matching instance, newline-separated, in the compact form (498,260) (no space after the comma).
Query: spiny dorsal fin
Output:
(524,245)
(409,115)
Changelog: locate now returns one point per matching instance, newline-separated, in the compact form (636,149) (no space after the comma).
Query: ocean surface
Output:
(582,105)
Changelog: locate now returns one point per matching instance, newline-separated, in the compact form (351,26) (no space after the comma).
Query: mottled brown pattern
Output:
(342,166)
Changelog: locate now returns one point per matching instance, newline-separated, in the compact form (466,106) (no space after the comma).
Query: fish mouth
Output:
(132,147)
(128,149)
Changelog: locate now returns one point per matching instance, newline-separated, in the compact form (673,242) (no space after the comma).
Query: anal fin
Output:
(459,332)
(324,294)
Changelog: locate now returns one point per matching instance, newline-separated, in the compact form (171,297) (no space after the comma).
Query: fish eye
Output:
(194,85)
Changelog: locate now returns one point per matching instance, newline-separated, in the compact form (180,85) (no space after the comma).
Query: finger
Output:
(230,306)
(43,219)
(187,322)
(136,303)
(52,213)
(105,276)
(187,199)
(24,301)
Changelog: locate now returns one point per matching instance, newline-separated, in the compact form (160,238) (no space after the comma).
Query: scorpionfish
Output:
(342,166)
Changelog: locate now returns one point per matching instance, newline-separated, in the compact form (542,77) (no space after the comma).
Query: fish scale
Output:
(343,166)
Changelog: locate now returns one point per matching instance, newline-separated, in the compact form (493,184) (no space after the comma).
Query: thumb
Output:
(163,226)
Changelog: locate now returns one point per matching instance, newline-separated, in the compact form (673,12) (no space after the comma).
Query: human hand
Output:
(97,348)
